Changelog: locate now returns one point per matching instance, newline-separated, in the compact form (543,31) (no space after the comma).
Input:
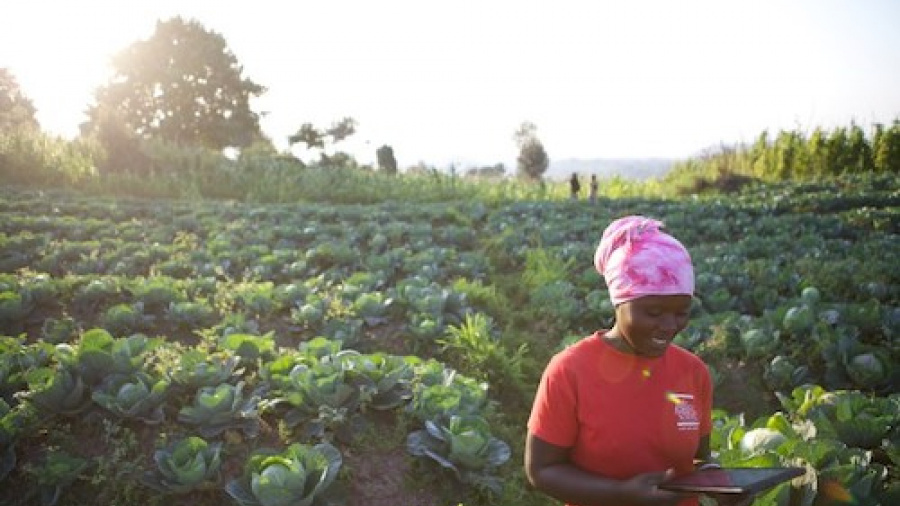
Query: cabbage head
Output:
(758,342)
(810,296)
(761,440)
(868,370)
(799,319)
(186,465)
(300,476)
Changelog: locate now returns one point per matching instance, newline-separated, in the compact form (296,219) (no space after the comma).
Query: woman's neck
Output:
(618,342)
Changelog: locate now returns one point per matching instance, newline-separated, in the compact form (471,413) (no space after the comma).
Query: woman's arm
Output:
(548,469)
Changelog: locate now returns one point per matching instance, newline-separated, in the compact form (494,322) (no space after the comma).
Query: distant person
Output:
(574,186)
(594,185)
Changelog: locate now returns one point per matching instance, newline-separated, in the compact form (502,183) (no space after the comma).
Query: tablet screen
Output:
(735,480)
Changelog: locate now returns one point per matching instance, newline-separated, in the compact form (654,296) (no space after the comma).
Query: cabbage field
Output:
(211,352)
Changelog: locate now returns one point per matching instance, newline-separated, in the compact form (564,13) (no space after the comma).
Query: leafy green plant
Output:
(57,392)
(322,401)
(441,391)
(9,432)
(62,330)
(384,381)
(185,465)
(464,445)
(156,294)
(14,308)
(220,408)
(299,476)
(249,347)
(372,307)
(852,417)
(190,314)
(782,375)
(55,474)
(759,342)
(851,364)
(97,354)
(136,396)
(123,319)
(480,349)
(18,358)
(555,303)
(197,368)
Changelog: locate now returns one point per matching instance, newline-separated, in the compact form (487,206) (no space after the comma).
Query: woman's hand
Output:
(644,489)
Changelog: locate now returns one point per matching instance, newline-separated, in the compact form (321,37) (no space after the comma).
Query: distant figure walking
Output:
(593,194)
(574,186)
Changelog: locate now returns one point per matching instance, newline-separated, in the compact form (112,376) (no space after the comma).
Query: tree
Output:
(182,85)
(532,161)
(386,161)
(309,135)
(122,149)
(859,152)
(315,138)
(887,148)
(16,110)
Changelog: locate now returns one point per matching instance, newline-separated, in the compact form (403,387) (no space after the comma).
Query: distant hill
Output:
(627,168)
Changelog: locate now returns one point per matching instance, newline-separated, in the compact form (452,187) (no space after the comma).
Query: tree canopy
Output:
(386,160)
(532,161)
(16,110)
(181,85)
(315,138)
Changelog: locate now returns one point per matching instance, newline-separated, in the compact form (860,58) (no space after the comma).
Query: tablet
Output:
(733,480)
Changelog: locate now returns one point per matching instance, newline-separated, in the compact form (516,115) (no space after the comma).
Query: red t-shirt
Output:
(622,414)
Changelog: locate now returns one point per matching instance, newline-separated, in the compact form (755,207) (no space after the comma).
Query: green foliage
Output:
(66,259)
(59,391)
(299,476)
(97,354)
(479,348)
(323,402)
(384,381)
(55,473)
(197,368)
(16,110)
(223,407)
(10,427)
(134,397)
(464,445)
(442,391)
(384,156)
(185,465)
(796,155)
(32,158)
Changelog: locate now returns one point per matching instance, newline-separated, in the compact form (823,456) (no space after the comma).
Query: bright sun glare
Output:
(453,81)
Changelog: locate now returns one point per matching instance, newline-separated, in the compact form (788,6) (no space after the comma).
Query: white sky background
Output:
(449,82)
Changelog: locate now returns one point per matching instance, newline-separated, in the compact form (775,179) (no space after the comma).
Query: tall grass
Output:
(34,159)
(29,157)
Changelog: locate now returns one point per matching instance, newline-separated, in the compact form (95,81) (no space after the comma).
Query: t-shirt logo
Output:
(685,413)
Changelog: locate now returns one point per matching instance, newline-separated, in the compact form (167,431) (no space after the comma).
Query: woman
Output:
(623,410)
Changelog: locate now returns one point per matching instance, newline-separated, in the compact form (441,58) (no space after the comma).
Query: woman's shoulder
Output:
(584,349)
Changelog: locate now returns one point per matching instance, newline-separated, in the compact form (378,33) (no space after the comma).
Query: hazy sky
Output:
(451,81)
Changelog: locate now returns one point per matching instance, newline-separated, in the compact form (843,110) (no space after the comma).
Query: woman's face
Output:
(648,324)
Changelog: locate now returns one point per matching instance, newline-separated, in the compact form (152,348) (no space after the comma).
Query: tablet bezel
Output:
(722,481)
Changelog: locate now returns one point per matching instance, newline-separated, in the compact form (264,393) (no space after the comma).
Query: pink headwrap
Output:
(636,258)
